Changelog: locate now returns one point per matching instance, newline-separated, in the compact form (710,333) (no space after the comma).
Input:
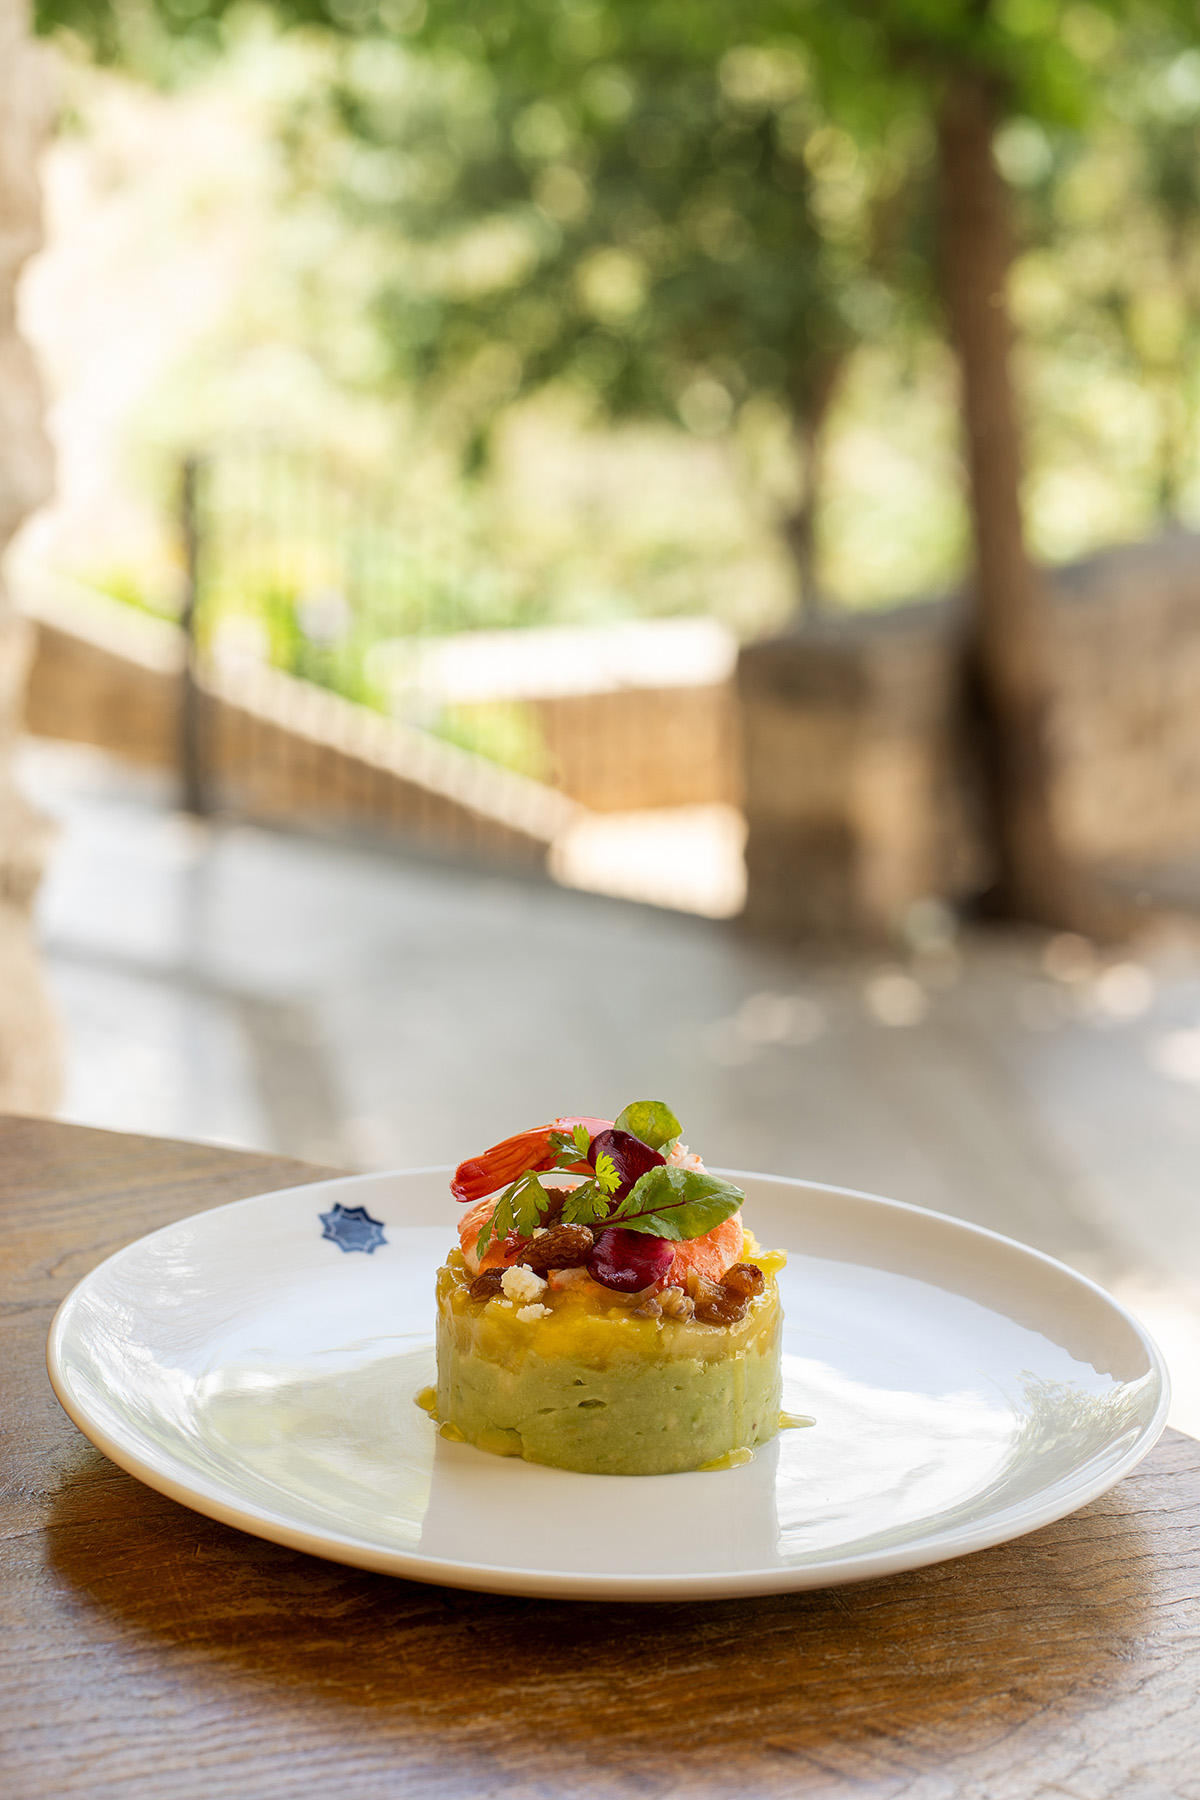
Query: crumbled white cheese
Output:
(520,1283)
(527,1313)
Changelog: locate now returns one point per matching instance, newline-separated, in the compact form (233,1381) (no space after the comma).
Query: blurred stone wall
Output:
(107,675)
(851,766)
(851,761)
(856,796)
(28,1033)
(642,747)
(274,748)
(1127,715)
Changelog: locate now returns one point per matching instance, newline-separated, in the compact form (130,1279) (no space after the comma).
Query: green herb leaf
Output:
(582,1139)
(607,1177)
(585,1205)
(677,1204)
(519,1208)
(650,1120)
(566,1150)
(529,1203)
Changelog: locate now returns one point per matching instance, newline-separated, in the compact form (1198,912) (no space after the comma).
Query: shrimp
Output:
(498,1253)
(504,1162)
(709,1255)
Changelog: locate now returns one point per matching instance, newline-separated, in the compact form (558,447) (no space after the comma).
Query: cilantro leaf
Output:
(519,1208)
(485,1234)
(677,1203)
(650,1120)
(529,1201)
(585,1205)
(563,1146)
(608,1176)
(582,1139)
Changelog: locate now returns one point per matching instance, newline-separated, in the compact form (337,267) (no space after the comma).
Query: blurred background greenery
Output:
(614,310)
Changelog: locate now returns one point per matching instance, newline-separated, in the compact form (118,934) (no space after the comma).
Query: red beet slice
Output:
(631,1158)
(629,1260)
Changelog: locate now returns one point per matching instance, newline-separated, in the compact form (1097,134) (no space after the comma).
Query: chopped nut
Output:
(565,1247)
(487,1284)
(675,1303)
(744,1279)
(647,1301)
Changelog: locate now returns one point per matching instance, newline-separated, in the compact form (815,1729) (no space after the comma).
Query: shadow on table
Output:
(788,1693)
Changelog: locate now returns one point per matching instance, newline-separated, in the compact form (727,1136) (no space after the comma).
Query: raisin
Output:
(553,1214)
(726,1309)
(744,1279)
(563,1247)
(487,1284)
(717,1305)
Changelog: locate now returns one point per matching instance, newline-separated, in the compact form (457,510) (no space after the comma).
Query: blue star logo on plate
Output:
(352,1228)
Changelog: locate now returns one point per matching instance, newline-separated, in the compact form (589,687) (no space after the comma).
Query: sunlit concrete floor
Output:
(363,1008)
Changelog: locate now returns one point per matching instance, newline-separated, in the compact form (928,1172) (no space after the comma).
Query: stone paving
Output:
(356,1006)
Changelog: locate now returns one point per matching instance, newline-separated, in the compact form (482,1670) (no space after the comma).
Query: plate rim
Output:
(557,1584)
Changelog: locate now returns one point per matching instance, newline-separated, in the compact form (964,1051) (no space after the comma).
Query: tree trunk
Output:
(1010,636)
(28,1034)
(813,399)
(1175,428)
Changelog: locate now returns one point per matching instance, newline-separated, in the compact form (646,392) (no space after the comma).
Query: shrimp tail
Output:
(505,1161)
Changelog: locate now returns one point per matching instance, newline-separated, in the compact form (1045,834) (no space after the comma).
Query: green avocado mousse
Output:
(606,1310)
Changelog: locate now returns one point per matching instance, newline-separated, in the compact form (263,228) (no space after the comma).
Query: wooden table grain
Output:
(151,1653)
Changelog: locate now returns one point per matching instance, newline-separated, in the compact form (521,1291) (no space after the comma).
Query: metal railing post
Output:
(191,695)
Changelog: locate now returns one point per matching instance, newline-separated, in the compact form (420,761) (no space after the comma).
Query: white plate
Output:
(965,1390)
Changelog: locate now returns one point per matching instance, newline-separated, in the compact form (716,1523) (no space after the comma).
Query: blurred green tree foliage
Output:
(1110,223)
(677,209)
(650,203)
(656,212)
(679,206)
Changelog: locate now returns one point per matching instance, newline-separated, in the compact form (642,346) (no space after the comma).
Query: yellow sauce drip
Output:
(427,1401)
(794,1421)
(451,1433)
(769,1261)
(732,1459)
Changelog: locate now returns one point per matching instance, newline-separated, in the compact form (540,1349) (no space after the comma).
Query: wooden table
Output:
(148,1652)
